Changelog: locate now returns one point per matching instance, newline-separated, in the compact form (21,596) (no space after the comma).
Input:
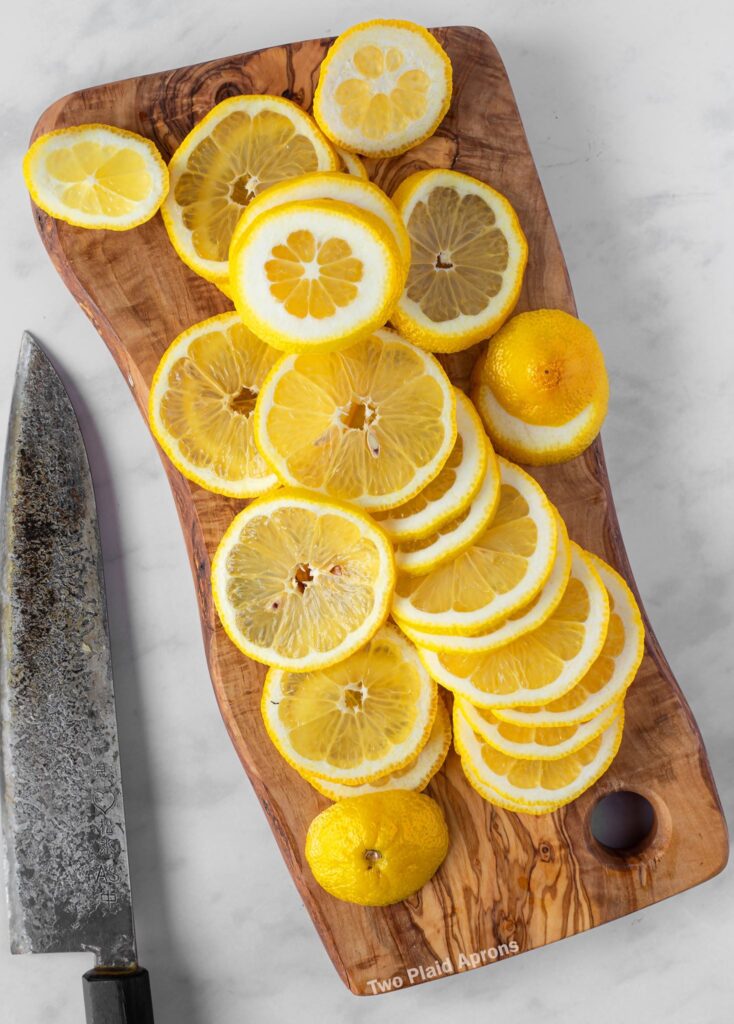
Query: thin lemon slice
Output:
(373,424)
(502,571)
(542,784)
(420,556)
(301,582)
(201,403)
(530,741)
(610,675)
(315,274)
(242,146)
(522,621)
(415,775)
(493,797)
(96,176)
(542,664)
(467,263)
(449,493)
(356,721)
(384,86)
(352,164)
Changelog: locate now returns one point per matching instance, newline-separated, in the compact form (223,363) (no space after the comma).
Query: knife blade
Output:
(67,875)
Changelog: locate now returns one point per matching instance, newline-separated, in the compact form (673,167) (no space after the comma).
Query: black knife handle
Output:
(121,997)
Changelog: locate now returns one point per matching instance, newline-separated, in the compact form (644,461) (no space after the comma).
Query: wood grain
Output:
(510,882)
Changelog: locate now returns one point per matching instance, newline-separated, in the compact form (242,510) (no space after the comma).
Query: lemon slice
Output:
(609,677)
(529,742)
(356,721)
(542,664)
(415,775)
(201,403)
(493,797)
(522,621)
(315,274)
(467,263)
(96,176)
(242,146)
(373,424)
(538,785)
(420,556)
(384,86)
(352,164)
(301,582)
(502,571)
(449,493)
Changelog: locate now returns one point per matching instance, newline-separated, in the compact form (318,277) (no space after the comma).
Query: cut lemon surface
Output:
(356,721)
(468,256)
(242,146)
(301,582)
(96,176)
(315,274)
(493,797)
(502,571)
(415,775)
(372,424)
(539,665)
(352,164)
(609,677)
(384,86)
(449,493)
(201,406)
(536,783)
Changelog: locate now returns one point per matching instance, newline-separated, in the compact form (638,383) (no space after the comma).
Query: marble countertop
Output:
(629,109)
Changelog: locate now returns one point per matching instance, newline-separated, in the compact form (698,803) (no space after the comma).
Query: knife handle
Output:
(121,997)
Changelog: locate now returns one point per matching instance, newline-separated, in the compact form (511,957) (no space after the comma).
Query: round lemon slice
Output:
(352,164)
(522,621)
(315,274)
(493,797)
(301,582)
(415,775)
(538,785)
(244,145)
(373,424)
(468,256)
(96,176)
(609,677)
(542,664)
(201,406)
(356,721)
(502,571)
(455,487)
(384,86)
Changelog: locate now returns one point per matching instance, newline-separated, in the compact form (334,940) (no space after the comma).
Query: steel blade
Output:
(64,824)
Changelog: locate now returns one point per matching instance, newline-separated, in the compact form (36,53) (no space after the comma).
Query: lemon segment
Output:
(201,406)
(96,176)
(384,86)
(372,425)
(241,147)
(468,257)
(301,582)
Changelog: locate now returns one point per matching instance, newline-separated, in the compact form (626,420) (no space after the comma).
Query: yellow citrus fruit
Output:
(201,403)
(378,848)
(415,775)
(541,387)
(455,487)
(609,677)
(493,797)
(242,146)
(96,176)
(352,164)
(468,256)
(300,581)
(315,275)
(384,86)
(539,665)
(502,571)
(372,424)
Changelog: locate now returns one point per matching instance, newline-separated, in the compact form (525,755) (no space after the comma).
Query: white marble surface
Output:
(629,108)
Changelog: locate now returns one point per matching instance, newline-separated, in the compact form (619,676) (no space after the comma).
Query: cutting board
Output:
(510,882)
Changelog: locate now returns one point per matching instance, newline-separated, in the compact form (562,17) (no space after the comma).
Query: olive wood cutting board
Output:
(510,882)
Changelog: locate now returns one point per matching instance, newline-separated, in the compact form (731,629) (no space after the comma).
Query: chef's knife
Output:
(64,824)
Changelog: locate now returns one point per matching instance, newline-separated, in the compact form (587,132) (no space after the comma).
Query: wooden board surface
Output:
(510,882)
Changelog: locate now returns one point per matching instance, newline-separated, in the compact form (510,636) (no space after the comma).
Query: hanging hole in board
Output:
(623,822)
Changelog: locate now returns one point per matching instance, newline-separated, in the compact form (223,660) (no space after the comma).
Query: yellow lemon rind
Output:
(352,164)
(491,796)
